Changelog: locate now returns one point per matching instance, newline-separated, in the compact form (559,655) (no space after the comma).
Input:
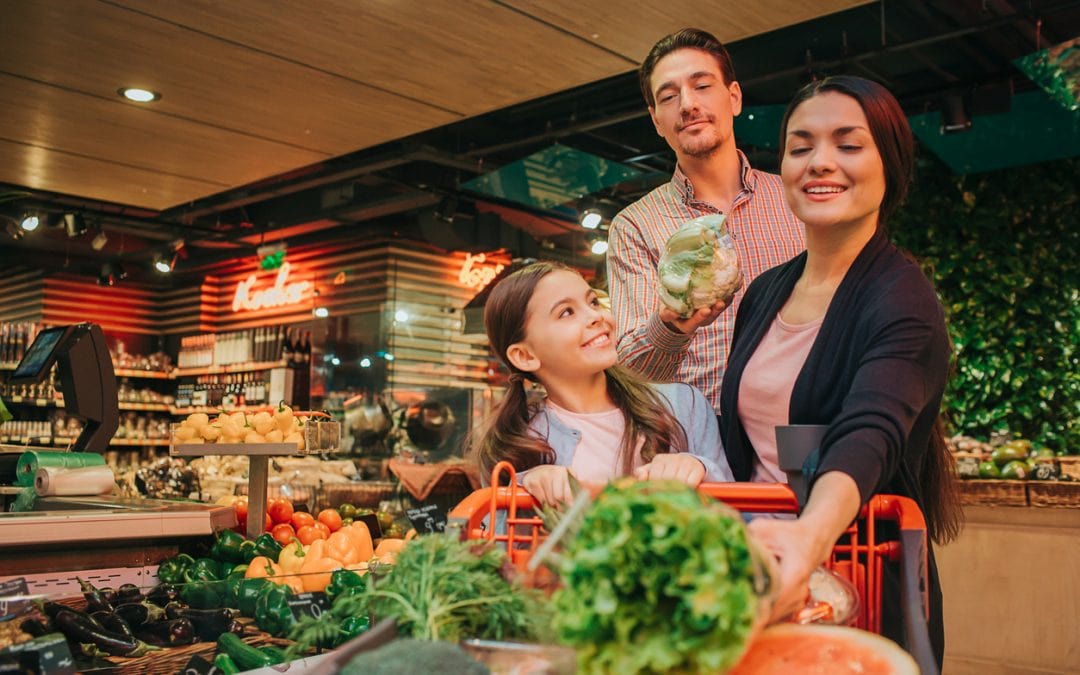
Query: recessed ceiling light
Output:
(138,95)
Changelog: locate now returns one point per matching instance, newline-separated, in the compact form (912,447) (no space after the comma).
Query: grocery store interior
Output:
(282,220)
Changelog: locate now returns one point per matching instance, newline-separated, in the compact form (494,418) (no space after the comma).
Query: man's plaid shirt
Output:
(765,234)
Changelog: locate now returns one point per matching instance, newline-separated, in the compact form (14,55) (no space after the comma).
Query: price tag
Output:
(308,604)
(13,598)
(427,519)
(199,666)
(372,522)
(47,655)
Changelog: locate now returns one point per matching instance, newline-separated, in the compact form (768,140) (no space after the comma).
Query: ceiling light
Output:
(164,264)
(322,312)
(955,117)
(74,224)
(599,246)
(111,272)
(30,222)
(365,362)
(335,361)
(401,316)
(591,218)
(139,95)
(99,240)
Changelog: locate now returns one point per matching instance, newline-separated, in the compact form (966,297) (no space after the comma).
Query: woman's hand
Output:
(673,466)
(548,484)
(796,551)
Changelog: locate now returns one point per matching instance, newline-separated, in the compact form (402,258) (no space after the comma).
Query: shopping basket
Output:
(859,555)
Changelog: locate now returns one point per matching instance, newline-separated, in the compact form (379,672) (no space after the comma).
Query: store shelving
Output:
(232,368)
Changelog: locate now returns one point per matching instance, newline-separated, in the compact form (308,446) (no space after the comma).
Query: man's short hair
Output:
(687,38)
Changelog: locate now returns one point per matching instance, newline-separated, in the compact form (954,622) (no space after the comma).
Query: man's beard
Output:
(701,148)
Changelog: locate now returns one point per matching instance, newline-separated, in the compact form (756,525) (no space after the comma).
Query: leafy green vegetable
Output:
(699,266)
(659,579)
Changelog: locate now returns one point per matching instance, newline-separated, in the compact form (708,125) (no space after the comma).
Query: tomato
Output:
(308,534)
(241,510)
(302,519)
(283,533)
(280,509)
(331,518)
(268,523)
(322,527)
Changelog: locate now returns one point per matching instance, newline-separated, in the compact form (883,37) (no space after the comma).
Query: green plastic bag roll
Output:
(31,461)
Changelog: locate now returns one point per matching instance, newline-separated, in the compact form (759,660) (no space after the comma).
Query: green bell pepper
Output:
(171,571)
(248,592)
(272,612)
(353,626)
(248,551)
(342,580)
(227,547)
(266,545)
(203,569)
(237,571)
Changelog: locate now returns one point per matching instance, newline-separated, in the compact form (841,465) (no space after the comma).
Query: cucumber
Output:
(276,653)
(245,656)
(225,665)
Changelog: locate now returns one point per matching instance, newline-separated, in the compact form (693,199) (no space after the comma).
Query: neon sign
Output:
(473,272)
(280,294)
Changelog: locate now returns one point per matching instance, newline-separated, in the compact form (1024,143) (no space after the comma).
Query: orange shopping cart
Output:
(889,530)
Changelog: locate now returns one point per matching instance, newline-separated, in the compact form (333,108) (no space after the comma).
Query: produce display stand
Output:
(859,555)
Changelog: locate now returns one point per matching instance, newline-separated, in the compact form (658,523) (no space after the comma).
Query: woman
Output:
(598,420)
(849,334)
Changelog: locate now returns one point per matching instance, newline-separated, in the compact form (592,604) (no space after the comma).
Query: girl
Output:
(598,421)
(849,335)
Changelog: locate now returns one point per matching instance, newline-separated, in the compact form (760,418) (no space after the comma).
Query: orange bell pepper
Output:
(316,572)
(260,567)
(361,537)
(342,547)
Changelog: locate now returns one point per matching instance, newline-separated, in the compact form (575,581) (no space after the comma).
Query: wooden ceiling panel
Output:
(114,132)
(632,28)
(97,47)
(44,169)
(469,56)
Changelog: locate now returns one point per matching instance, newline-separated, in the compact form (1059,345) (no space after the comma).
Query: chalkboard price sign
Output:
(427,519)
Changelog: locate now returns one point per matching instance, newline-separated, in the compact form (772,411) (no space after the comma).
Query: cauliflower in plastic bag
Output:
(699,266)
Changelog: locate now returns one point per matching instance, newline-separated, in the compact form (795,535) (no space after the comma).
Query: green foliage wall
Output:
(1004,250)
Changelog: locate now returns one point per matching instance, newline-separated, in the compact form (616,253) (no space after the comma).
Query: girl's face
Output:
(832,172)
(568,335)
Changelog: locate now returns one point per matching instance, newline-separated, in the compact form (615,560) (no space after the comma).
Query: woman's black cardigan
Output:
(875,374)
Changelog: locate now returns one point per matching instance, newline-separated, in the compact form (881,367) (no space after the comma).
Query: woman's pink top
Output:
(765,392)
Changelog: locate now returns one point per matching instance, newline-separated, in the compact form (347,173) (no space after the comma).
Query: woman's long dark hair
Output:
(896,145)
(506,435)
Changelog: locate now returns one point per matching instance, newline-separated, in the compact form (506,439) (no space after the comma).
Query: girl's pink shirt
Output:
(596,459)
(765,391)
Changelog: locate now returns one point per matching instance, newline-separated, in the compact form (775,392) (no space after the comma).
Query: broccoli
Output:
(698,267)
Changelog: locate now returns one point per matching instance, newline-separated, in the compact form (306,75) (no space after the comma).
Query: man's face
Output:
(693,107)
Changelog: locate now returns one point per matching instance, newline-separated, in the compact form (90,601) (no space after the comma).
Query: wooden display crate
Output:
(993,492)
(1070,466)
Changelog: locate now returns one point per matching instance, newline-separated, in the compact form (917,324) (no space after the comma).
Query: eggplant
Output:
(171,633)
(113,622)
(209,623)
(128,593)
(137,614)
(35,628)
(97,599)
(163,594)
(81,629)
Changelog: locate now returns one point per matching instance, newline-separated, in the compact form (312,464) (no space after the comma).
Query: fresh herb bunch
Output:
(660,579)
(444,589)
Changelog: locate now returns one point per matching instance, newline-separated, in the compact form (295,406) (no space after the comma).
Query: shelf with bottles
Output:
(45,394)
(267,344)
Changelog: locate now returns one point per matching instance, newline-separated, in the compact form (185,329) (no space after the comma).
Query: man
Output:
(689,84)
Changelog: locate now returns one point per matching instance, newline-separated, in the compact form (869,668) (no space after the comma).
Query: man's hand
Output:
(548,484)
(702,317)
(673,466)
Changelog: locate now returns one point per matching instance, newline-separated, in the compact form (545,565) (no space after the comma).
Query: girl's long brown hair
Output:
(506,435)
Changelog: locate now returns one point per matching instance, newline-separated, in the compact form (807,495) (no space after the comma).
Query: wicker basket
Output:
(1054,494)
(1070,466)
(367,494)
(993,492)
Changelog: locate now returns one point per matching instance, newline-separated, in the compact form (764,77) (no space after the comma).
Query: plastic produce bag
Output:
(699,266)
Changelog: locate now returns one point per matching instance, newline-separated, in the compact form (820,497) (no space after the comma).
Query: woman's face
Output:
(568,334)
(832,172)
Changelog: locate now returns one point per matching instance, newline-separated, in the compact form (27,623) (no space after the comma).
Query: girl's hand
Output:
(548,484)
(673,466)
(796,549)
